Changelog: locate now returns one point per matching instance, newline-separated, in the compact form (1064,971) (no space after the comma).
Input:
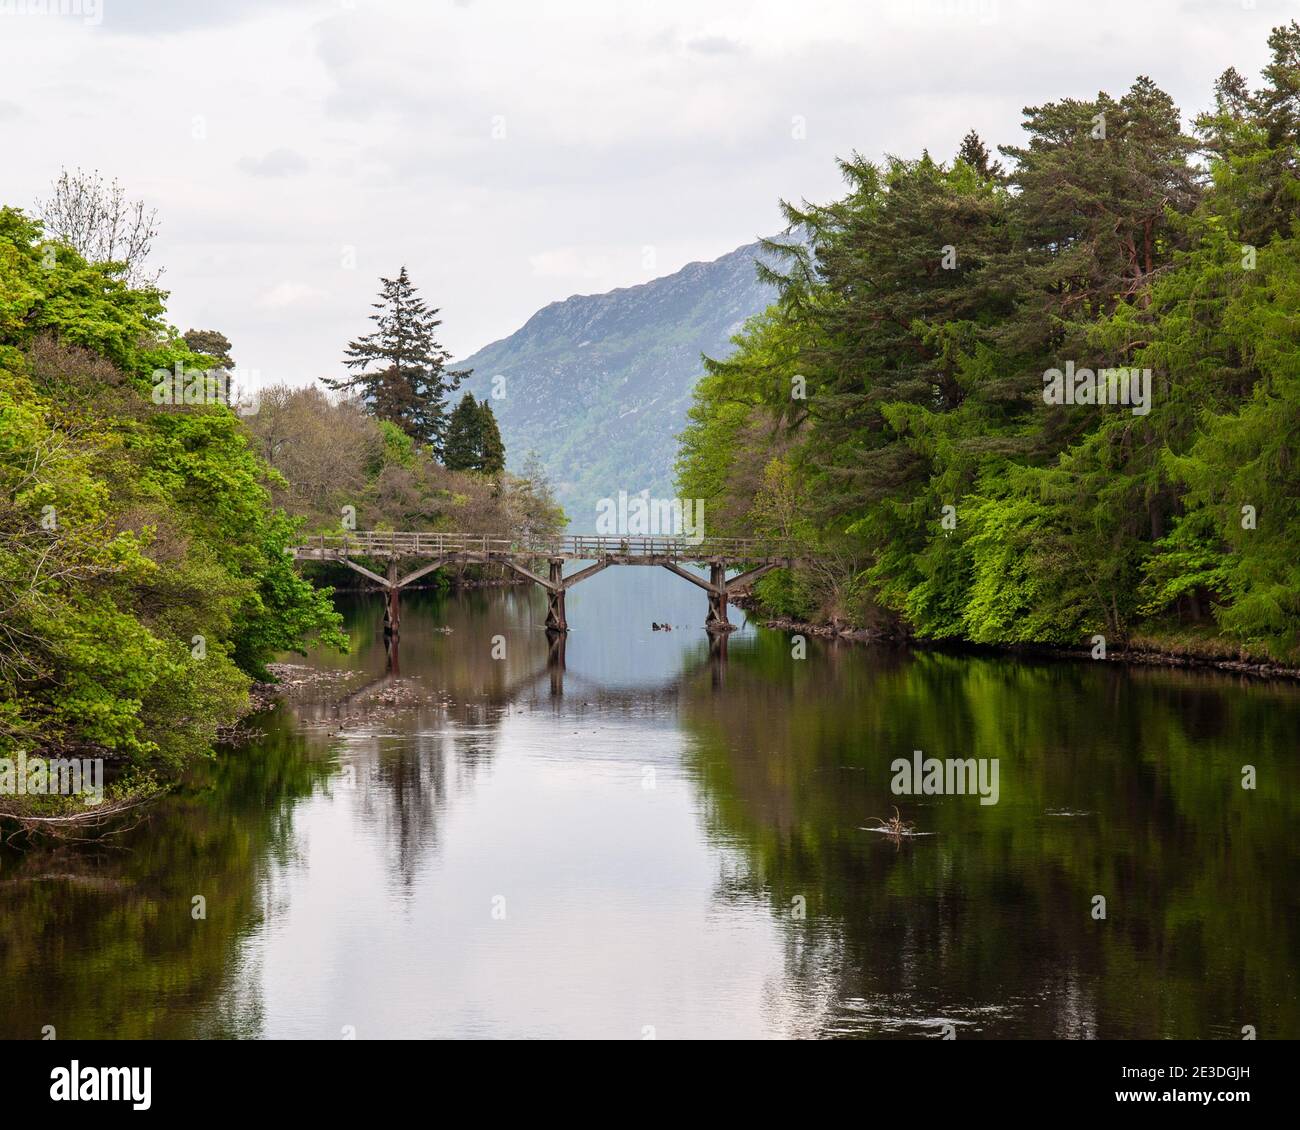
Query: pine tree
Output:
(976,154)
(492,451)
(1256,138)
(400,369)
(464,445)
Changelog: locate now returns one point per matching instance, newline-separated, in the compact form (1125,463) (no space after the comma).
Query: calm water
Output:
(620,846)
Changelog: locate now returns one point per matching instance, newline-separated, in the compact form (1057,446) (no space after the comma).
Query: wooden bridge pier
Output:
(755,559)
(717,620)
(556,621)
(392,603)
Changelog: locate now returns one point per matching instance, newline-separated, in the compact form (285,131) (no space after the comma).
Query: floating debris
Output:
(895,826)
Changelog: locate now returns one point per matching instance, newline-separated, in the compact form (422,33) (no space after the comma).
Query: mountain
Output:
(599,385)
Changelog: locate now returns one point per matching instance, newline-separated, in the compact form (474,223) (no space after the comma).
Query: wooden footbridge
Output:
(427,552)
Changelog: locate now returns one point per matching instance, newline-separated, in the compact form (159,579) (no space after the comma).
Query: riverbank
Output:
(1146,650)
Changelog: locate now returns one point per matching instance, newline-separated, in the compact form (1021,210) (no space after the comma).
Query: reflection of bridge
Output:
(434,550)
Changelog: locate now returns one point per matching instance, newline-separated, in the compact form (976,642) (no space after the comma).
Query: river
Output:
(640,838)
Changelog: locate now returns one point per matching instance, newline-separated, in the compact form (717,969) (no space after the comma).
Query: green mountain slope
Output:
(599,385)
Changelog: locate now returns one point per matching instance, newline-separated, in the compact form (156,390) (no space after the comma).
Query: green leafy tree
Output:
(144,578)
(216,346)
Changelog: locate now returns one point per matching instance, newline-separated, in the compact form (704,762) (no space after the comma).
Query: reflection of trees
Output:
(988,923)
(107,947)
(416,738)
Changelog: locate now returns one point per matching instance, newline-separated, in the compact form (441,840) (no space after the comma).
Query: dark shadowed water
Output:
(651,839)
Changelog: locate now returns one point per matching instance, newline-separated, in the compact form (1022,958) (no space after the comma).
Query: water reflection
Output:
(483,829)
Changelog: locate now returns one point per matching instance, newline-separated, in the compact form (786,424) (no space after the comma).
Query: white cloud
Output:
(280,162)
(570,263)
(286,294)
(282,143)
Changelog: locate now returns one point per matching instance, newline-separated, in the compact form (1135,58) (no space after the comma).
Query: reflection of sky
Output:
(611,918)
(621,914)
(610,617)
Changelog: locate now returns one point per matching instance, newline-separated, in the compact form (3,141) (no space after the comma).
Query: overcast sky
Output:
(515,152)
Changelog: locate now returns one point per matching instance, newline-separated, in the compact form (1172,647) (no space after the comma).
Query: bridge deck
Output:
(572,547)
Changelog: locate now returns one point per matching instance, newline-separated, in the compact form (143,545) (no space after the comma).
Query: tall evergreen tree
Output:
(1255,139)
(473,439)
(463,448)
(976,154)
(492,451)
(400,370)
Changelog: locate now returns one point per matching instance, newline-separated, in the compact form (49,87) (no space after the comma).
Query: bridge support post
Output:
(555,618)
(392,607)
(717,621)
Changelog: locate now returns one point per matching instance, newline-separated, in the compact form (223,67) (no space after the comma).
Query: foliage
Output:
(331,455)
(899,378)
(143,575)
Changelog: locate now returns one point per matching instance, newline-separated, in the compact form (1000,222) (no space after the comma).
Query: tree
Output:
(492,451)
(1254,140)
(143,572)
(212,343)
(888,408)
(400,370)
(473,439)
(975,153)
(464,445)
(98,221)
(529,502)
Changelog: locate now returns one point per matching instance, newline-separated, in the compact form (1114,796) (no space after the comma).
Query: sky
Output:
(512,153)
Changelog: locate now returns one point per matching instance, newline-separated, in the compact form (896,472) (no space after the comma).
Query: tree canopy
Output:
(399,370)
(891,408)
(473,439)
(143,575)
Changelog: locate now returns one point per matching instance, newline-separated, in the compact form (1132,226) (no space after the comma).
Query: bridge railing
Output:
(362,543)
(597,545)
(385,543)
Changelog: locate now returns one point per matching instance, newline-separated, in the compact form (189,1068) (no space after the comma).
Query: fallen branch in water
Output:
(76,825)
(895,826)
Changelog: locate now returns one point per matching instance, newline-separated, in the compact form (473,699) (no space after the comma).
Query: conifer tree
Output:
(400,370)
(492,451)
(976,154)
(473,439)
(464,445)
